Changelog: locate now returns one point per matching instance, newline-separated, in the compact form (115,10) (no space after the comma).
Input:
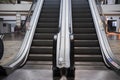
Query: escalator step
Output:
(48,20)
(81,10)
(51,7)
(82,20)
(80,3)
(39,57)
(50,11)
(47,25)
(86,43)
(82,6)
(47,43)
(43,36)
(85,36)
(85,15)
(83,25)
(40,50)
(46,30)
(84,30)
(87,50)
(46,3)
(88,58)
(50,15)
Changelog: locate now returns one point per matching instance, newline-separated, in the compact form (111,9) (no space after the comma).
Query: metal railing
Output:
(63,40)
(22,55)
(99,7)
(28,18)
(108,56)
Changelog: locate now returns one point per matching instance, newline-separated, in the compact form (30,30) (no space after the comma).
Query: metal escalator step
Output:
(50,15)
(50,11)
(47,43)
(81,10)
(81,15)
(44,36)
(46,3)
(51,7)
(87,50)
(38,65)
(41,50)
(88,58)
(46,30)
(48,20)
(85,36)
(79,3)
(80,6)
(49,1)
(84,30)
(90,66)
(86,43)
(47,25)
(83,25)
(82,20)
(40,57)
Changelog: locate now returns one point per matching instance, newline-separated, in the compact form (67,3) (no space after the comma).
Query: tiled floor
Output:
(12,44)
(34,74)
(114,41)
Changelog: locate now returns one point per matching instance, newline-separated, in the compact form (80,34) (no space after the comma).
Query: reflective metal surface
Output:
(108,55)
(34,74)
(12,43)
(63,41)
(114,40)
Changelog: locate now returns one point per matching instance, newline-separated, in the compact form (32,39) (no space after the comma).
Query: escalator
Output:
(87,51)
(86,44)
(42,45)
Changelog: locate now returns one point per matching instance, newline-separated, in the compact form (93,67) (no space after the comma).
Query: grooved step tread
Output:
(85,36)
(86,43)
(82,20)
(87,50)
(47,25)
(88,58)
(50,11)
(48,43)
(84,30)
(85,15)
(44,36)
(81,10)
(83,25)
(48,20)
(46,30)
(41,50)
(51,7)
(50,15)
(39,57)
